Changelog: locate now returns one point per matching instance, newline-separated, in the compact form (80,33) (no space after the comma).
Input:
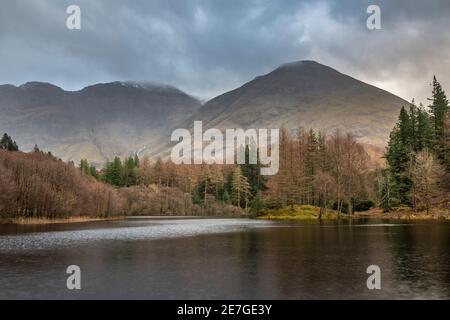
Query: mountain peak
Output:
(305,66)
(310,95)
(300,64)
(135,85)
(149,86)
(33,85)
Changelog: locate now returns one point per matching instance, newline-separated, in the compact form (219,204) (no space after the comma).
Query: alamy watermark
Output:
(73,21)
(374,280)
(74,280)
(209,147)
(374,20)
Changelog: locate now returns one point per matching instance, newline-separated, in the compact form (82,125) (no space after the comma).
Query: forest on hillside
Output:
(330,171)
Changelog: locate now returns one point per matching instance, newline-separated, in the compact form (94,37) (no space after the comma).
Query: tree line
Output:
(418,156)
(327,171)
(211,189)
(331,171)
(37,185)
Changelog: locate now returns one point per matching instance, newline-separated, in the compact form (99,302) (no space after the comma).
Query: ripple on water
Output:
(154,229)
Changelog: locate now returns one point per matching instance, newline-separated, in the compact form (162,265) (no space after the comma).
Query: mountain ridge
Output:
(103,120)
(96,122)
(299,94)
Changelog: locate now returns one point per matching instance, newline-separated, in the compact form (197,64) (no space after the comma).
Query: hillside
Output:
(306,94)
(97,122)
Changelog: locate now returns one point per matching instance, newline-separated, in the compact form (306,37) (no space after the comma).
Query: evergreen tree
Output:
(439,107)
(93,171)
(136,161)
(398,155)
(405,128)
(114,172)
(425,133)
(252,172)
(196,198)
(7,143)
(413,123)
(226,199)
(129,172)
(310,164)
(256,205)
(323,159)
(414,134)
(228,185)
(84,166)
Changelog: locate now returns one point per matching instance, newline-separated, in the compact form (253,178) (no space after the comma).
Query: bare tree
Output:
(426,174)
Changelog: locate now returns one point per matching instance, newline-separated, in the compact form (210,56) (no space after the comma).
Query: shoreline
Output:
(44,221)
(401,214)
(312,213)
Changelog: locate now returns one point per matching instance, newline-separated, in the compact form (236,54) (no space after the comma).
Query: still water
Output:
(151,258)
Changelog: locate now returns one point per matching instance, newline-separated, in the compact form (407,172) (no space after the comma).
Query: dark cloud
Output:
(208,47)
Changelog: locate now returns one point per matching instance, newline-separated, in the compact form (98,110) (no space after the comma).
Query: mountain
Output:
(97,122)
(119,118)
(310,95)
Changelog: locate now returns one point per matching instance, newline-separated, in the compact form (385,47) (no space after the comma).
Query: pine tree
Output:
(7,143)
(226,199)
(323,159)
(113,172)
(252,172)
(129,172)
(310,164)
(196,198)
(136,161)
(405,128)
(84,166)
(398,156)
(257,204)
(439,107)
(425,133)
(93,171)
(413,123)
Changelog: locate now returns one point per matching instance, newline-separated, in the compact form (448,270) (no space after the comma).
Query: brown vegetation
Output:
(320,170)
(37,185)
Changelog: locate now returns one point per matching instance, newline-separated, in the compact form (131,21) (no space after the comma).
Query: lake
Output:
(204,258)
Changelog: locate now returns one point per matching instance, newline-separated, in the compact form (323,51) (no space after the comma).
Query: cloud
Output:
(209,47)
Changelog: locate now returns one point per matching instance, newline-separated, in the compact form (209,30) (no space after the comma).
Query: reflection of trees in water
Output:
(420,256)
(318,261)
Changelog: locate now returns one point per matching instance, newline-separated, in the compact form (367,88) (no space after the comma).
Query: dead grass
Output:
(308,212)
(32,221)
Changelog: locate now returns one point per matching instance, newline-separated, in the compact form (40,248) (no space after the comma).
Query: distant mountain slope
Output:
(119,118)
(97,122)
(306,94)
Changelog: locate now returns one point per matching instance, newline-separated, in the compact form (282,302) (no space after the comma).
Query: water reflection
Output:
(228,259)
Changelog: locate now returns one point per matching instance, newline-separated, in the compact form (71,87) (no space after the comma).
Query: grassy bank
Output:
(33,221)
(297,212)
(308,212)
(405,213)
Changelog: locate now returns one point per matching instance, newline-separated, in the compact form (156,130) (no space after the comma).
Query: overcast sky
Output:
(208,47)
